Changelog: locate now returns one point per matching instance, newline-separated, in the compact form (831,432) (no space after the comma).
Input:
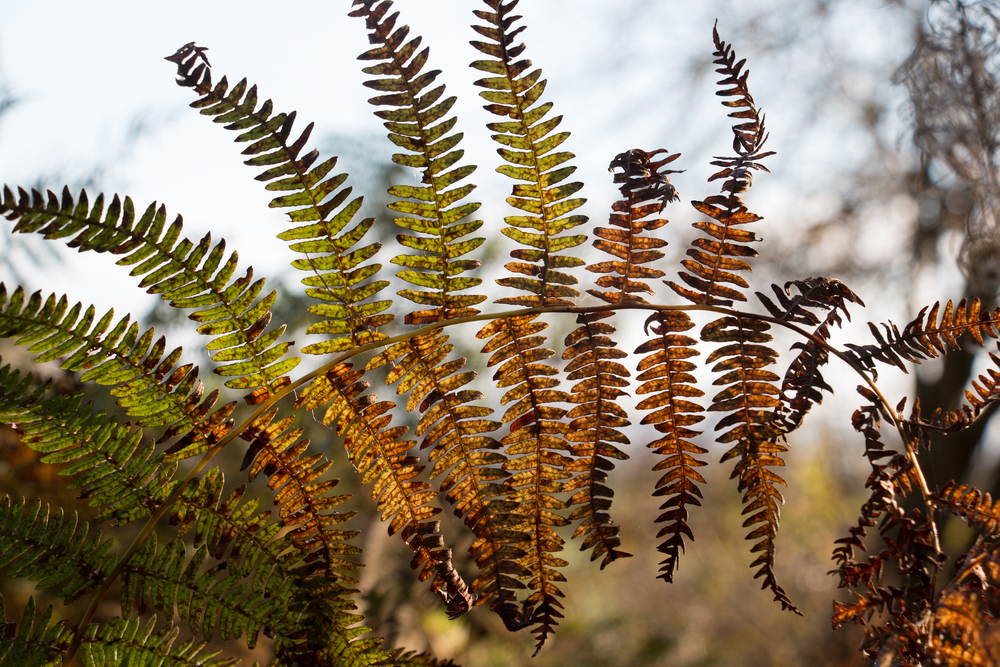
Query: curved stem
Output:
(158,513)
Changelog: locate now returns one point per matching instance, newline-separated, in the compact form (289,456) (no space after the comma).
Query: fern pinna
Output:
(212,562)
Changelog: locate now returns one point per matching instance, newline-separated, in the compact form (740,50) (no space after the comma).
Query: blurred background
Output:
(886,120)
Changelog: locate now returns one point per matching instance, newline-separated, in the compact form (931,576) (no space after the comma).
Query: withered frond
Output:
(666,373)
(977,508)
(927,338)
(381,459)
(803,383)
(533,444)
(645,191)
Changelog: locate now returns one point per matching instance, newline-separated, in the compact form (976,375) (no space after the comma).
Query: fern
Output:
(216,565)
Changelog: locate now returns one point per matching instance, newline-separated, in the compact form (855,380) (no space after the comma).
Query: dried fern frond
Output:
(715,257)
(803,383)
(380,457)
(927,339)
(666,374)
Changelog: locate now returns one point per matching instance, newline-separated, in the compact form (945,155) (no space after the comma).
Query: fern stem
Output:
(158,513)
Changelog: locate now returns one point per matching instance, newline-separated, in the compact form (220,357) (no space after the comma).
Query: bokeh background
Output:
(884,116)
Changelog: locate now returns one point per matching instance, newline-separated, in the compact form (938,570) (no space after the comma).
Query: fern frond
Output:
(715,257)
(118,642)
(259,547)
(117,472)
(546,204)
(642,183)
(53,551)
(189,275)
(987,392)
(528,143)
(303,495)
(666,373)
(977,508)
(149,385)
(749,401)
(532,446)
(434,209)
(590,349)
(889,477)
(206,603)
(454,429)
(595,423)
(332,634)
(33,643)
(337,277)
(803,383)
(380,458)
(927,339)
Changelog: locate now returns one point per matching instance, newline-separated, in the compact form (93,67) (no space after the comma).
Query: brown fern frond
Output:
(380,458)
(749,400)
(303,495)
(977,508)
(532,446)
(590,350)
(712,269)
(596,420)
(890,476)
(926,337)
(666,373)
(987,392)
(455,429)
(803,383)
(642,183)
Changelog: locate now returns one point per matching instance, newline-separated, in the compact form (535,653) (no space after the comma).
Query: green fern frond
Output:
(53,551)
(433,209)
(333,636)
(205,602)
(529,143)
(117,473)
(380,458)
(118,643)
(33,643)
(187,274)
(259,547)
(149,385)
(338,279)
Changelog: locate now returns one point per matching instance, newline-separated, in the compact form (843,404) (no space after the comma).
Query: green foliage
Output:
(208,556)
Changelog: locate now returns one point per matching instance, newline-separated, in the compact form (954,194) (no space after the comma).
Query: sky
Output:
(95,97)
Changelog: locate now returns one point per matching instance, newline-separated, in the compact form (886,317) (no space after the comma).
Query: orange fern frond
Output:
(666,373)
(803,383)
(715,258)
(977,508)
(928,338)
(532,447)
(380,458)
